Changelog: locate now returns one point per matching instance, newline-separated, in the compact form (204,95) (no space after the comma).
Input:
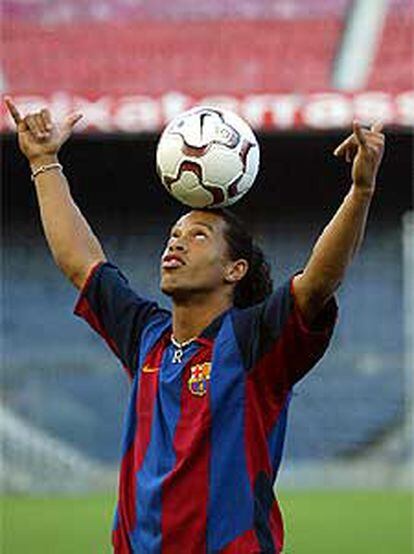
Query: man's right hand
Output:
(40,138)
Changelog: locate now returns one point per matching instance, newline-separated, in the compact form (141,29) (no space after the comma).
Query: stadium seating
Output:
(60,377)
(107,10)
(131,58)
(151,48)
(101,48)
(393,67)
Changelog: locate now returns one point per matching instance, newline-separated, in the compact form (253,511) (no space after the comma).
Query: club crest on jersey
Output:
(199,378)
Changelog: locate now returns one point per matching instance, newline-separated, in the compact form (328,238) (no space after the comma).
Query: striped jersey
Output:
(205,424)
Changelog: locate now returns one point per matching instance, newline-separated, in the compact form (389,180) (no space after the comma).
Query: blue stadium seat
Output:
(61,377)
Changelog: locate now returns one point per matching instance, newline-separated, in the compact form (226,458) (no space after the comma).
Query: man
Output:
(211,382)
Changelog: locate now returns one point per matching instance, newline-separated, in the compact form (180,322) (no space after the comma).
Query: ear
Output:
(235,271)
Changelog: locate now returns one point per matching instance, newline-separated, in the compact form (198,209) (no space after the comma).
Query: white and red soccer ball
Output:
(207,157)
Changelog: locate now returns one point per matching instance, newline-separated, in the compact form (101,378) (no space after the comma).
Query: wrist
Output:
(363,194)
(44,159)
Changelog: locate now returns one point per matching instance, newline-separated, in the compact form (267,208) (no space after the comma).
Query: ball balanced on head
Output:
(207,157)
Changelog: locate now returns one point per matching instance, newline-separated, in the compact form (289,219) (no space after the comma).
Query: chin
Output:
(166,290)
(176,291)
(170,288)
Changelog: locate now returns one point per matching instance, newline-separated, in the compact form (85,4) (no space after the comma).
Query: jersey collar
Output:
(210,332)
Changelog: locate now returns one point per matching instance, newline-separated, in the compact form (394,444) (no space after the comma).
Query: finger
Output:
(373,135)
(71,121)
(40,123)
(31,123)
(376,141)
(359,134)
(340,150)
(74,118)
(351,152)
(377,127)
(14,112)
(47,119)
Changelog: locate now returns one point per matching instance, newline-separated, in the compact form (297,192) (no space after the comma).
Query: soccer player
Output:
(211,381)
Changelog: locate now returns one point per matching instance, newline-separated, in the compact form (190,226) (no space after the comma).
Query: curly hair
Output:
(257,284)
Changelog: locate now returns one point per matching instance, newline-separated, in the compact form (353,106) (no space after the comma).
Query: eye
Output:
(200,234)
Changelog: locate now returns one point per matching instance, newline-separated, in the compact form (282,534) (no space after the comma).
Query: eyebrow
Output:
(204,225)
(210,227)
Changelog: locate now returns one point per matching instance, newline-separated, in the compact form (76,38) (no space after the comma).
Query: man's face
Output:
(195,259)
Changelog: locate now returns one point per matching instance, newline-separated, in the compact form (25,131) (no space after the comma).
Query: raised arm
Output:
(74,247)
(342,237)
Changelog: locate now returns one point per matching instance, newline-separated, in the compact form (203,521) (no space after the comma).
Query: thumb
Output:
(71,120)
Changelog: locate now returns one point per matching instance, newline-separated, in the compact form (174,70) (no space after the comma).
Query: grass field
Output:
(317,523)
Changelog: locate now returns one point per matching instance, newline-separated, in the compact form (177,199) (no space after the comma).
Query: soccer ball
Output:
(207,157)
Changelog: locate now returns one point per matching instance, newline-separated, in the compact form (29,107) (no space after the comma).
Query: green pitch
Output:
(316,523)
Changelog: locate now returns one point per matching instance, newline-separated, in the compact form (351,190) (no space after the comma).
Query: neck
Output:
(191,316)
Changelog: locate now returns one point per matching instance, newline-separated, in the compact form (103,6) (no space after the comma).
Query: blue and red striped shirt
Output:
(203,434)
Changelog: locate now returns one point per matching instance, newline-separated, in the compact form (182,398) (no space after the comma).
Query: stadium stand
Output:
(131,66)
(32,459)
(68,401)
(393,68)
(96,10)
(144,48)
(73,392)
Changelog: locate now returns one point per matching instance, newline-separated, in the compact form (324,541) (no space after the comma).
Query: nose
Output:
(177,244)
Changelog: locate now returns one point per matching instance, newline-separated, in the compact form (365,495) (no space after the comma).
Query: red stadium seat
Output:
(393,66)
(207,57)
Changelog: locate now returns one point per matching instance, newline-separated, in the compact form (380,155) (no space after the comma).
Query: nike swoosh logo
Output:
(149,369)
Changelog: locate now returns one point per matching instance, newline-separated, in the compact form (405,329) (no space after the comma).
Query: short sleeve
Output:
(288,339)
(109,305)
(275,341)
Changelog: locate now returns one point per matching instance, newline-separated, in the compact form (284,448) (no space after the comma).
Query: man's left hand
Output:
(365,148)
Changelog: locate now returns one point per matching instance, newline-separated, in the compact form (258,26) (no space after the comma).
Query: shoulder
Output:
(273,311)
(279,316)
(108,299)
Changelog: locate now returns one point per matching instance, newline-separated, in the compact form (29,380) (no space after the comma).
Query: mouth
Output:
(172,262)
